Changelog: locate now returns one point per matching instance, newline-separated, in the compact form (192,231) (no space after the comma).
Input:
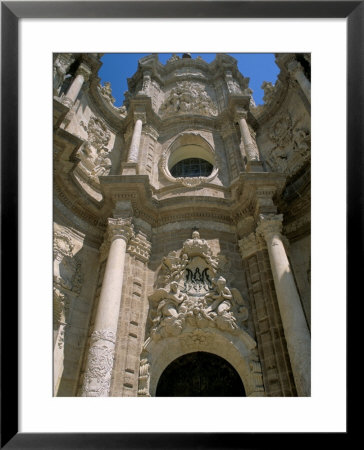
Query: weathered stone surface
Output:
(149,267)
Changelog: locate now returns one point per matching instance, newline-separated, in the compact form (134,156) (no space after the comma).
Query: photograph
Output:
(181,224)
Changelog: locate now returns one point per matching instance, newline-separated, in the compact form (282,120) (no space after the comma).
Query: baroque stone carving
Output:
(94,154)
(106,92)
(292,145)
(60,68)
(269,92)
(232,84)
(144,378)
(67,267)
(98,135)
(99,365)
(194,295)
(173,58)
(188,98)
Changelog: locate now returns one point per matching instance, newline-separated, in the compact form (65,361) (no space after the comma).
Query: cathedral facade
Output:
(181,230)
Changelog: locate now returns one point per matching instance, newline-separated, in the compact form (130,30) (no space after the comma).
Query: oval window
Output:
(191,167)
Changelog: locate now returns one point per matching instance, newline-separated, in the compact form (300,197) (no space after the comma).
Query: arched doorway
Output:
(200,374)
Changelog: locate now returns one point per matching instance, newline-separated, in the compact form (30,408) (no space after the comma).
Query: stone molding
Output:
(150,131)
(198,140)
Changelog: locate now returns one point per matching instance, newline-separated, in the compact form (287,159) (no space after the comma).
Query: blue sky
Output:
(117,67)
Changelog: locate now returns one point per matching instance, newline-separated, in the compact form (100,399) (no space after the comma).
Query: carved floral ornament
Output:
(194,295)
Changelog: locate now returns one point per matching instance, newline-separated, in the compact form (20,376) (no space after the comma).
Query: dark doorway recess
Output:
(200,374)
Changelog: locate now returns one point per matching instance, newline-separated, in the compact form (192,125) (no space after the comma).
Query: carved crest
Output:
(192,294)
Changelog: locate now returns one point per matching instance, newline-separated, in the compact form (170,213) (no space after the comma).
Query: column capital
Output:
(140,115)
(270,225)
(84,70)
(249,245)
(240,114)
(120,228)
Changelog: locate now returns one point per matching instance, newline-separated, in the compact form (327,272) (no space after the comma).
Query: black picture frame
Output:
(11,12)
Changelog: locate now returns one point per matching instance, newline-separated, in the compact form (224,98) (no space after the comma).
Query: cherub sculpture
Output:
(166,318)
(219,304)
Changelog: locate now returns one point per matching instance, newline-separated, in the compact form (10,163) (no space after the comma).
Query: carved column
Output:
(135,140)
(132,316)
(102,347)
(83,73)
(296,70)
(293,319)
(130,167)
(250,150)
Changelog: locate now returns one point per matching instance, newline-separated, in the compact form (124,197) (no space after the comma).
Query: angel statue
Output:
(167,320)
(220,304)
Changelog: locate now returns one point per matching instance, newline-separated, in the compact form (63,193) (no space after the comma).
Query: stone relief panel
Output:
(188,98)
(94,154)
(192,294)
(290,145)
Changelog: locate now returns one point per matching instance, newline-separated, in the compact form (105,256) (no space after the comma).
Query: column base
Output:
(254,166)
(129,168)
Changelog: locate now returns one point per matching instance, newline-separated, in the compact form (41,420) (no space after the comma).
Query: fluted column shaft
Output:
(135,142)
(293,319)
(82,75)
(295,68)
(102,347)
